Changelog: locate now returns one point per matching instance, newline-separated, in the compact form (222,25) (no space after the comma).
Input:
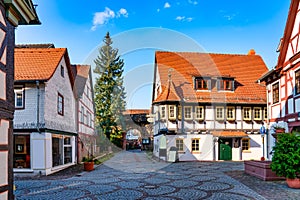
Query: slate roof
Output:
(185,66)
(81,74)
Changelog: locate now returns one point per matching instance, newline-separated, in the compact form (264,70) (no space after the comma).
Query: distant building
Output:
(12,14)
(208,105)
(85,111)
(283,82)
(45,119)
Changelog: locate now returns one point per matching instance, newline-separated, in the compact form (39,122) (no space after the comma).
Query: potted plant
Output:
(286,158)
(88,163)
(279,129)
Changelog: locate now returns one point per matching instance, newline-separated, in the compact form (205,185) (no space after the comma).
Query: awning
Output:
(229,134)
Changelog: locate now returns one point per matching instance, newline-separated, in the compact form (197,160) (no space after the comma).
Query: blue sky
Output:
(140,28)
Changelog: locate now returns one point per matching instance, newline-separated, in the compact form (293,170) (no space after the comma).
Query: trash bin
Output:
(172,154)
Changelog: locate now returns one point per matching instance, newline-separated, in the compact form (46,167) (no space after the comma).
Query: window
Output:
(60,104)
(202,84)
(187,112)
(163,112)
(247,113)
(257,113)
(172,112)
(195,145)
(275,92)
(219,113)
(199,112)
(82,115)
(88,115)
(19,97)
(62,71)
(230,113)
(297,82)
(226,84)
(67,150)
(265,113)
(61,150)
(179,112)
(179,144)
(245,144)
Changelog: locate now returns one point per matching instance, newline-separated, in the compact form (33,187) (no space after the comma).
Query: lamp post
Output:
(262,133)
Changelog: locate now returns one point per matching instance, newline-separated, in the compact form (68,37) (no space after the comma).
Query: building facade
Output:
(12,14)
(85,109)
(208,106)
(283,81)
(44,121)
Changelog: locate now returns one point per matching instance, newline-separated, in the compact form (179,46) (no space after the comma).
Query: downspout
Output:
(38,107)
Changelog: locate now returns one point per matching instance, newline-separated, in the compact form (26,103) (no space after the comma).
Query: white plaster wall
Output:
(28,115)
(238,113)
(3,168)
(275,111)
(4,125)
(230,125)
(58,84)
(3,85)
(297,103)
(290,106)
(209,113)
(255,152)
(236,154)
(247,125)
(38,151)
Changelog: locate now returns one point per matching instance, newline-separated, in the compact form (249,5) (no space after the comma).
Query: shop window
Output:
(61,150)
(22,151)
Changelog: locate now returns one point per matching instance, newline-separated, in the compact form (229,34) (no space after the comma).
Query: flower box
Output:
(261,170)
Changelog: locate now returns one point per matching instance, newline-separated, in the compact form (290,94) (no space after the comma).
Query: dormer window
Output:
(202,83)
(226,84)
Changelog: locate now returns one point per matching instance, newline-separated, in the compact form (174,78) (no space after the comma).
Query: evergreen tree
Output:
(109,90)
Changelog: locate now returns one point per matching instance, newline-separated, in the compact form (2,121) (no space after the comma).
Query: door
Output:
(225,150)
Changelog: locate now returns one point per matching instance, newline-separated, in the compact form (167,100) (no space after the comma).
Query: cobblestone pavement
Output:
(133,175)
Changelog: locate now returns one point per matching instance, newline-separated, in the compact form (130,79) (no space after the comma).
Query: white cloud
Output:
(123,12)
(167,5)
(184,19)
(193,2)
(103,17)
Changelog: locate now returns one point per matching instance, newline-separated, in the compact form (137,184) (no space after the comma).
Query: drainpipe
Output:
(38,107)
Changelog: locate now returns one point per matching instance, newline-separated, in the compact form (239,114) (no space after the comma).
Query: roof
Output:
(293,10)
(81,74)
(136,111)
(245,69)
(229,134)
(39,63)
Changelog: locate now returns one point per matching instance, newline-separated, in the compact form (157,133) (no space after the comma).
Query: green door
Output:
(225,152)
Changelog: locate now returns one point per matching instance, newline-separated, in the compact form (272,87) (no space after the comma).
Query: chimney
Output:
(251,52)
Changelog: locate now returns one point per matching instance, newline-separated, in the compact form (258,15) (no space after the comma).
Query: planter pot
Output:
(88,166)
(261,170)
(293,183)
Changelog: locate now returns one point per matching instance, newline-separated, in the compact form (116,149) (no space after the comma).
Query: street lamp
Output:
(262,133)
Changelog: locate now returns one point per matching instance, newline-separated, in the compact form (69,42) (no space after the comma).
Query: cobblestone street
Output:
(133,175)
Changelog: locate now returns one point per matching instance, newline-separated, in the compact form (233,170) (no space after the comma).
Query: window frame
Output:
(297,82)
(254,113)
(265,113)
(19,90)
(204,82)
(60,112)
(217,113)
(201,113)
(190,114)
(222,84)
(163,112)
(233,113)
(195,148)
(178,145)
(250,114)
(247,142)
(275,93)
(172,117)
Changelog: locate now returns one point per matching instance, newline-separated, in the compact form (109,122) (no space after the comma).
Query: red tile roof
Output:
(37,63)
(136,111)
(245,69)
(229,134)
